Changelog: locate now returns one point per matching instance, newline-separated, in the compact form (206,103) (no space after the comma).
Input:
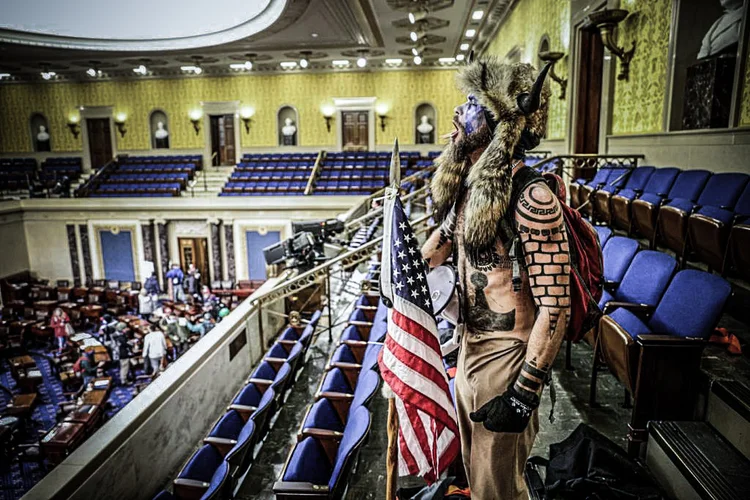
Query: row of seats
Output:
(215,469)
(147,176)
(266,175)
(277,165)
(694,213)
(55,168)
(256,157)
(645,294)
(196,160)
(337,424)
(365,233)
(270,174)
(16,173)
(263,188)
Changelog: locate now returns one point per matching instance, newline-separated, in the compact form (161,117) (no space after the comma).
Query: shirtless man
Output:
(515,310)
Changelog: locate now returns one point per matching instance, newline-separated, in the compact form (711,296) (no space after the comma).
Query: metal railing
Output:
(354,224)
(572,165)
(315,172)
(93,181)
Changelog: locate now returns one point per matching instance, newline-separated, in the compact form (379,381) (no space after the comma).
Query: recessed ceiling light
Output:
(340,62)
(465,46)
(48,74)
(460,57)
(471,33)
(417,60)
(303,63)
(247,65)
(91,72)
(413,35)
(417,16)
(288,64)
(394,61)
(314,35)
(361,62)
(447,60)
(477,15)
(192,69)
(4,75)
(414,51)
(140,70)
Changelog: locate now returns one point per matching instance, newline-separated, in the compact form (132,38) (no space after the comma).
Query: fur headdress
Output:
(518,103)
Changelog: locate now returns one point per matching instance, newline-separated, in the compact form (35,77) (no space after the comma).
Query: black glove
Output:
(510,412)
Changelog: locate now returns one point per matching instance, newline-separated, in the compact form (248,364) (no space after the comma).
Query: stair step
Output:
(693,461)
(728,412)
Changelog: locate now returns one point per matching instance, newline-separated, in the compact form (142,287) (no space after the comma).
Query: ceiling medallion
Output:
(426,24)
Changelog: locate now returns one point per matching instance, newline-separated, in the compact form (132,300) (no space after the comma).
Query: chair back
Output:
(689,184)
(324,416)
(335,381)
(647,278)
(618,254)
(355,432)
(692,305)
(723,190)
(604,233)
(367,385)
(250,395)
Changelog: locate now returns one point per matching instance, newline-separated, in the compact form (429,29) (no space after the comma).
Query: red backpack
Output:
(586,262)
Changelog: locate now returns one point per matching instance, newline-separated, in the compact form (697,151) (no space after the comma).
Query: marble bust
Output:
(160,132)
(725,32)
(288,131)
(425,129)
(43,135)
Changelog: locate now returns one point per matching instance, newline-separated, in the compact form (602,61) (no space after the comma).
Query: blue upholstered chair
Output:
(656,189)
(604,234)
(234,437)
(710,226)
(645,210)
(321,464)
(576,188)
(616,180)
(636,182)
(617,256)
(720,192)
(205,476)
(686,314)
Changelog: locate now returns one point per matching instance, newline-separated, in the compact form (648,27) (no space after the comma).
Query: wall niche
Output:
(159,124)
(40,136)
(425,118)
(287,123)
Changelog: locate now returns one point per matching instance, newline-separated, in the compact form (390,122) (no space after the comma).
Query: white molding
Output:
(244,29)
(355,104)
(220,108)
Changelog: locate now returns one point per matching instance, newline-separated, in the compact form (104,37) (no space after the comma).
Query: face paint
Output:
(471,115)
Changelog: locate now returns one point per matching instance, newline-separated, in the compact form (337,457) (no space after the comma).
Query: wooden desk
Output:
(43,308)
(95,397)
(88,415)
(103,384)
(80,292)
(101,354)
(63,293)
(29,379)
(92,311)
(61,440)
(20,362)
(21,405)
(42,331)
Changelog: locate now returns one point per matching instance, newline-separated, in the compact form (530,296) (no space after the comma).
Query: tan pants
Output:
(494,462)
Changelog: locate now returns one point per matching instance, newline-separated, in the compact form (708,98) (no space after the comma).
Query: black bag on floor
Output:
(588,466)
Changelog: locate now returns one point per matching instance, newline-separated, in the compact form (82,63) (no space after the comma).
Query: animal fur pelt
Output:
(496,86)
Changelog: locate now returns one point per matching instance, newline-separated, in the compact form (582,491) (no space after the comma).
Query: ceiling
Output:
(77,40)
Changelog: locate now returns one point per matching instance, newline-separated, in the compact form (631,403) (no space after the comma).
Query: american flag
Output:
(410,362)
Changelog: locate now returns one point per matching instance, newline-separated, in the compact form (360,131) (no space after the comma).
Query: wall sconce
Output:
(553,57)
(120,119)
(382,110)
(607,20)
(328,112)
(74,124)
(195,117)
(246,114)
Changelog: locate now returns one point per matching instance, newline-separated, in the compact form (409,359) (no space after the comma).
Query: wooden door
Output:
(194,251)
(222,140)
(589,94)
(100,141)
(355,131)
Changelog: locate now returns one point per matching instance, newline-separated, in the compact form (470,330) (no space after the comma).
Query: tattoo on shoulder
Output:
(538,212)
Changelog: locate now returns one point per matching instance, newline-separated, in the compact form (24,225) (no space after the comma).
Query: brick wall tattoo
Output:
(541,227)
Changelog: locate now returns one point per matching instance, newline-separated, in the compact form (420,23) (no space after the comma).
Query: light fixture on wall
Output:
(382,110)
(328,112)
(74,124)
(195,117)
(553,57)
(606,21)
(120,119)
(246,114)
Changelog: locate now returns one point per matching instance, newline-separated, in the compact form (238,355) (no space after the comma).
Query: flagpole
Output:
(391,459)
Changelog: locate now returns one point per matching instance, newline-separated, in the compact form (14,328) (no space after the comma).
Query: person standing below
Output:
(513,266)
(145,304)
(59,323)
(89,368)
(176,277)
(152,285)
(154,349)
(193,282)
(121,351)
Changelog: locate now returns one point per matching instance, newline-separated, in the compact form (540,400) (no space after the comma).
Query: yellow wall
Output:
(529,21)
(745,117)
(401,90)
(639,102)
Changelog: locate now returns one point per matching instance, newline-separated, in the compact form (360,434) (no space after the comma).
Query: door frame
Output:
(355,104)
(96,112)
(220,108)
(579,17)
(207,262)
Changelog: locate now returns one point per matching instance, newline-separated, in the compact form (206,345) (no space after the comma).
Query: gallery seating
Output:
(55,168)
(655,190)
(720,192)
(205,476)
(146,176)
(577,187)
(360,173)
(616,177)
(268,175)
(645,210)
(635,185)
(17,173)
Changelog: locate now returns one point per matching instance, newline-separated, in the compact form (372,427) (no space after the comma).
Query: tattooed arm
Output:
(439,245)
(541,227)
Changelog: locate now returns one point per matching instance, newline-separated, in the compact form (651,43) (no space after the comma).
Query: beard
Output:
(465,144)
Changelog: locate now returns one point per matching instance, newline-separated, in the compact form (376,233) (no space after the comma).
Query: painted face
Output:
(470,115)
